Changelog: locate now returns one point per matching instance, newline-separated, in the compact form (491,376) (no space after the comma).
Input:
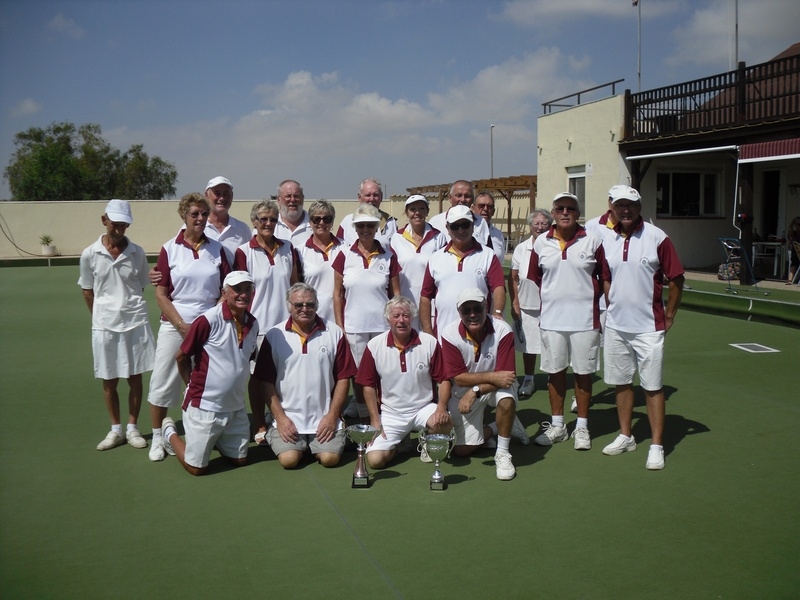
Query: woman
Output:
(192,269)
(525,300)
(793,239)
(413,246)
(317,256)
(366,276)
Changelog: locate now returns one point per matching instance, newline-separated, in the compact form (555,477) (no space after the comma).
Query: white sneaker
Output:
(582,439)
(504,467)
(135,439)
(574,407)
(157,452)
(112,440)
(620,445)
(528,386)
(551,434)
(518,431)
(655,459)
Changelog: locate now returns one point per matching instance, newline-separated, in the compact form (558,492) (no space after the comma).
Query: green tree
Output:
(64,162)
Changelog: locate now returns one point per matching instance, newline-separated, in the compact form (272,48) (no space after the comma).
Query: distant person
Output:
(213,361)
(462,193)
(193,267)
(566,265)
(637,260)
(405,388)
(484,207)
(369,192)
(525,302)
(293,224)
(305,367)
(113,275)
(793,240)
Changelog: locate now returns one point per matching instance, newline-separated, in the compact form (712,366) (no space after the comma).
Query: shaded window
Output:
(686,194)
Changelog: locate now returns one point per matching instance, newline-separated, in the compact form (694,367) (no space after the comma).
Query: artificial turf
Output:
(719,522)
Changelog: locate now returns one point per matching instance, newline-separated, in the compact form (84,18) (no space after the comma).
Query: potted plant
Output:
(47,245)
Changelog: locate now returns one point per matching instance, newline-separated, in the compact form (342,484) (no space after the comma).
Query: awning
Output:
(775,150)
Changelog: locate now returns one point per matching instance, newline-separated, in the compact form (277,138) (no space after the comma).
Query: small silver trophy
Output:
(438,447)
(361,435)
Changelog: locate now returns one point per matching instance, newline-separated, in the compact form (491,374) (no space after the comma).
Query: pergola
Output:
(505,186)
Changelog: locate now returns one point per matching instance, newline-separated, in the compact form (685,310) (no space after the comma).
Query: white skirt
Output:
(528,338)
(120,354)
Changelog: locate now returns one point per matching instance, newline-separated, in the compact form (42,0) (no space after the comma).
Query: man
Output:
(566,264)
(214,362)
(369,192)
(400,371)
(293,223)
(480,362)
(305,367)
(484,208)
(637,259)
(462,263)
(462,194)
(227,230)
(113,275)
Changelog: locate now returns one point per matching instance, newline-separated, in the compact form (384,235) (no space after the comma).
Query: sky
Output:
(329,92)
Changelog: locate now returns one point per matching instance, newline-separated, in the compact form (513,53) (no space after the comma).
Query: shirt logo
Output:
(582,255)
(420,366)
(323,349)
(479,272)
(490,356)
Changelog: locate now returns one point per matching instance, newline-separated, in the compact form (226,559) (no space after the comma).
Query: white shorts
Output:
(166,385)
(469,427)
(228,431)
(123,353)
(358,344)
(560,349)
(625,353)
(527,335)
(396,427)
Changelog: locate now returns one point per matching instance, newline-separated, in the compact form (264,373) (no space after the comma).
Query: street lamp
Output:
(491,151)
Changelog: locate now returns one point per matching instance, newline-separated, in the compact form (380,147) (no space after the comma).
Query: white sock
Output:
(132,427)
(502,444)
(117,429)
(157,433)
(627,438)
(657,446)
(168,431)
(558,421)
(583,422)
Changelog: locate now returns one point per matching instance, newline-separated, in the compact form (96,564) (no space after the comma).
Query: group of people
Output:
(411,317)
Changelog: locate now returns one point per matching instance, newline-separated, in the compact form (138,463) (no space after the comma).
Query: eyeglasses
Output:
(326,219)
(460,225)
(197,215)
(471,309)
(265,220)
(302,305)
(564,209)
(367,225)
(485,206)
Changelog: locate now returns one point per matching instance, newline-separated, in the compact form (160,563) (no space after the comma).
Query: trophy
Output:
(438,446)
(361,435)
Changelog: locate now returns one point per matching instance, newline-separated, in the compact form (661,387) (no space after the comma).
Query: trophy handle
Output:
(452,443)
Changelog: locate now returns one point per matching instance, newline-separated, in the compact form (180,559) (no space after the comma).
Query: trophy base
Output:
(360,482)
(438,486)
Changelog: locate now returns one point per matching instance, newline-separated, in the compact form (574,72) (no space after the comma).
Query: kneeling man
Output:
(400,371)
(305,366)
(222,342)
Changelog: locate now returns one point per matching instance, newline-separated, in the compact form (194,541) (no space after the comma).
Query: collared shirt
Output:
(232,236)
(317,271)
(298,235)
(528,291)
(414,258)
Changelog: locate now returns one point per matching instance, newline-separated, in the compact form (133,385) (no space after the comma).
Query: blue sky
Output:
(329,92)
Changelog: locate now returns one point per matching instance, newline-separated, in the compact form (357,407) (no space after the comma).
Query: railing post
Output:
(741,93)
(628,112)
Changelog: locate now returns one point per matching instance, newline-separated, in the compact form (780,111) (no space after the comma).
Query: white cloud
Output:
(541,13)
(27,107)
(63,25)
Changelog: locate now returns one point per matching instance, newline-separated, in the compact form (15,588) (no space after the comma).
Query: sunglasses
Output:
(367,225)
(471,309)
(460,225)
(317,220)
(302,305)
(564,209)
(197,215)
(265,220)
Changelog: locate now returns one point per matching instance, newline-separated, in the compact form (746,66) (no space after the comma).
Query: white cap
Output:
(417,198)
(624,192)
(470,295)
(565,195)
(119,211)
(459,212)
(218,180)
(614,189)
(236,277)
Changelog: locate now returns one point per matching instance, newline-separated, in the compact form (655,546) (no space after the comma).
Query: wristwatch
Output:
(476,389)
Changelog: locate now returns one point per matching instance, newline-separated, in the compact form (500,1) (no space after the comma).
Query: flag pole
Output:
(638,4)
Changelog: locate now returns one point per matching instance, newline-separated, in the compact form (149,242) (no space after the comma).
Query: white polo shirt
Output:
(413,259)
(317,271)
(234,235)
(461,355)
(272,274)
(118,286)
(528,290)
(404,377)
(367,288)
(568,280)
(386,229)
(447,274)
(636,267)
(298,235)
(221,363)
(305,371)
(193,278)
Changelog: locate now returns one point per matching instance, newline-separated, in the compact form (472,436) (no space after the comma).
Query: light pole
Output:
(491,151)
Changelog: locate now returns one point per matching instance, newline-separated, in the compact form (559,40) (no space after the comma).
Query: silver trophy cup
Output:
(438,447)
(361,435)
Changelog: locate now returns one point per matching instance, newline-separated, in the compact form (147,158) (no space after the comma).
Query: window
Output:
(687,195)
(577,185)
